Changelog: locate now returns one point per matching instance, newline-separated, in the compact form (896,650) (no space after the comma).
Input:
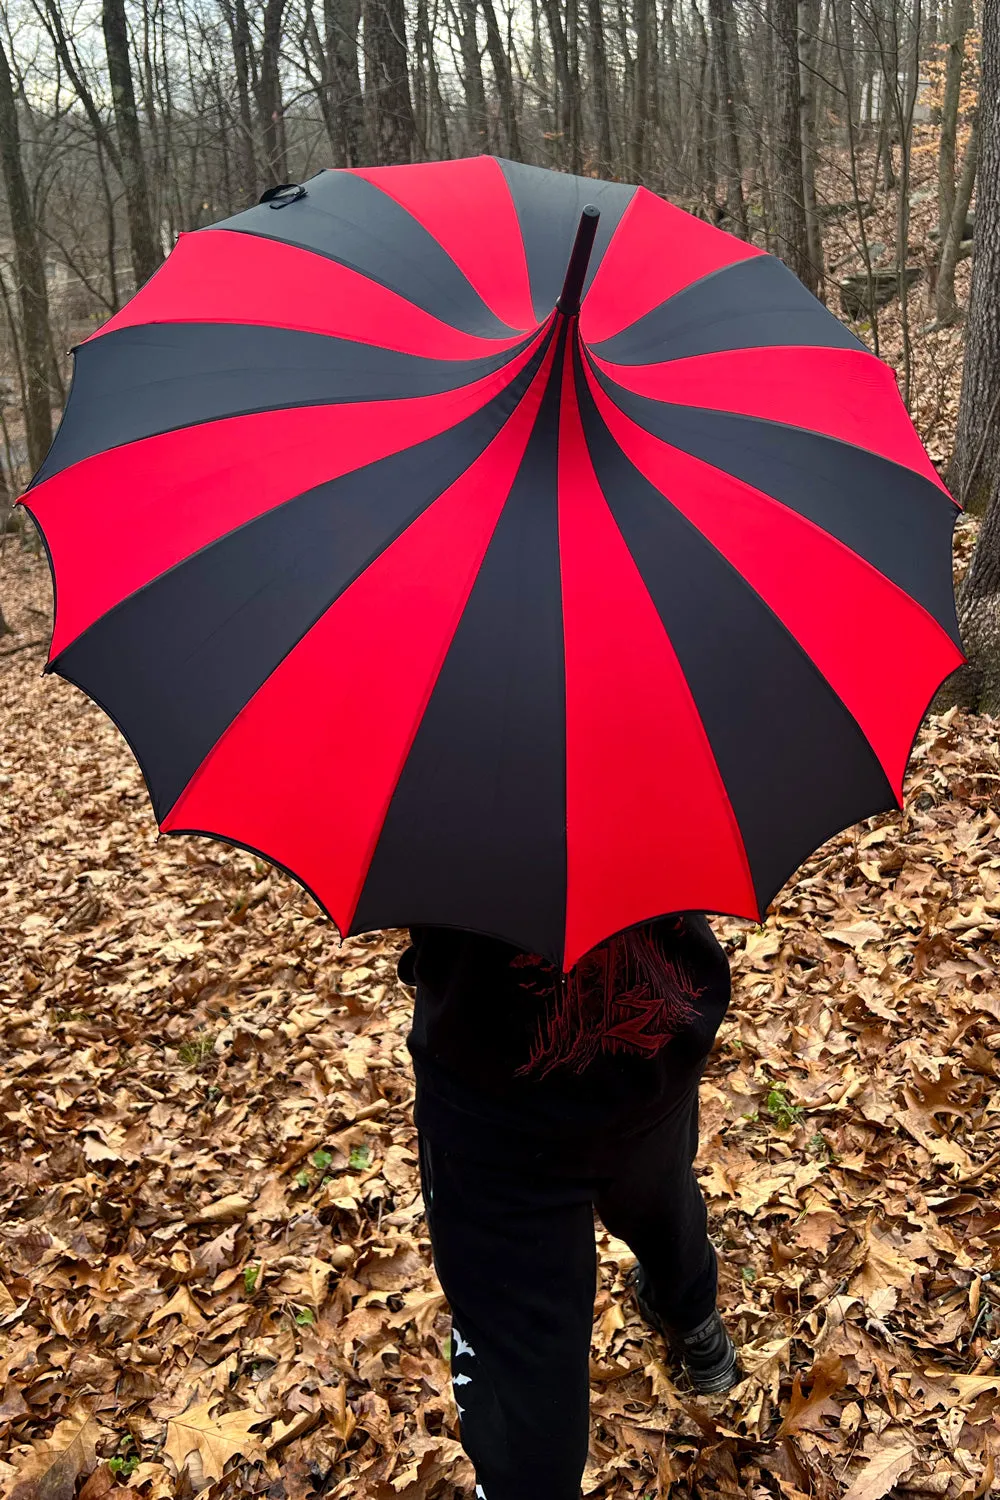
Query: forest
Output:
(215,1272)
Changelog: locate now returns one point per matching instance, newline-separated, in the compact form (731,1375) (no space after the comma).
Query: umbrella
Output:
(497,549)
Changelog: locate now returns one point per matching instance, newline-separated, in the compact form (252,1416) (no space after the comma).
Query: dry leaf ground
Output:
(214,1272)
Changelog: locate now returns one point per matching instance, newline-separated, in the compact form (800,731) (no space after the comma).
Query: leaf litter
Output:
(215,1275)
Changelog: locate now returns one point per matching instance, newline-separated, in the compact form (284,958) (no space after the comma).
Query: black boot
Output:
(707,1351)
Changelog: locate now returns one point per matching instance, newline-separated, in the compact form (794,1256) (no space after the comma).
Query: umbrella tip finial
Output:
(576,271)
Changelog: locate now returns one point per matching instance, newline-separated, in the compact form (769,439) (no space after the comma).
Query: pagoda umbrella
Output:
(497,549)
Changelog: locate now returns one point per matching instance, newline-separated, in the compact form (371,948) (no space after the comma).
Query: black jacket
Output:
(511,1057)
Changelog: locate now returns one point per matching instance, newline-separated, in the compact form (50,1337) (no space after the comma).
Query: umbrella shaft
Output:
(576,271)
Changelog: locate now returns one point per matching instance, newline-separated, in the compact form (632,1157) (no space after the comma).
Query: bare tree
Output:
(791,233)
(720,11)
(601,84)
(975,473)
(946,302)
(975,466)
(568,114)
(388,108)
(146,252)
(429,110)
(960,20)
(242,44)
(954,194)
(29,270)
(504,78)
(472,75)
(268,91)
(126,158)
(809,25)
(640,109)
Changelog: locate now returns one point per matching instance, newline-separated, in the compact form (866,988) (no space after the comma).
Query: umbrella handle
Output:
(576,271)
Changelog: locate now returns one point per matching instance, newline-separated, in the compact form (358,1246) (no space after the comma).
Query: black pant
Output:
(515,1254)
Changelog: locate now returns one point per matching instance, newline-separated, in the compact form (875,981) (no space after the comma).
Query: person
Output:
(541,1097)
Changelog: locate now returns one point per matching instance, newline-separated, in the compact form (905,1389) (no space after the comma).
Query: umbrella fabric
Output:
(471,612)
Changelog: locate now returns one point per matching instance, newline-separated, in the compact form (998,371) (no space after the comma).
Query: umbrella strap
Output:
(283,194)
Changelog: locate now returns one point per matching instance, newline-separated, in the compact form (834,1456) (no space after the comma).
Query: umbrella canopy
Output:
(476,610)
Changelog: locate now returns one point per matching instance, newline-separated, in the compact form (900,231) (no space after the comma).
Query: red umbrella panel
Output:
(647,594)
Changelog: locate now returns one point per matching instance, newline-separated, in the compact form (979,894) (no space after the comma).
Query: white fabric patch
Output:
(461,1347)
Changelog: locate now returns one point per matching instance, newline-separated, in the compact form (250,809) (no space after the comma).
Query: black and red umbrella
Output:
(646,595)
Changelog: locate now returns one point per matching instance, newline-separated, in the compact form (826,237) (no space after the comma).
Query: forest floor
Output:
(214,1269)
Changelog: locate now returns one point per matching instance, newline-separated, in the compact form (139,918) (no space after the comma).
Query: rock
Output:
(968,229)
(859,295)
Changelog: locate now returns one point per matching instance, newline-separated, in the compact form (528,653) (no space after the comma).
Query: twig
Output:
(24,646)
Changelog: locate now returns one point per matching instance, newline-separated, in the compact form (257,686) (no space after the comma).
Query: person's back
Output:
(541,1097)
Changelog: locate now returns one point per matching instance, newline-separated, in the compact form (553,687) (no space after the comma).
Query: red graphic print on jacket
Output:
(624,997)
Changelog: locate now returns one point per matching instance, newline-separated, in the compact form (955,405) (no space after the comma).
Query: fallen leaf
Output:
(817,1230)
(968,1387)
(232,1206)
(882,1472)
(100,1482)
(883,1266)
(56,1465)
(806,1410)
(215,1440)
(183,1306)
(856,934)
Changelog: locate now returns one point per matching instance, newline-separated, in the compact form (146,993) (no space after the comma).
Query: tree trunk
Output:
(239,32)
(143,239)
(422,52)
(472,77)
(704,155)
(959,23)
(574,115)
(316,65)
(953,198)
(539,80)
(735,205)
(975,467)
(640,111)
(885,144)
(342,22)
(564,83)
(903,99)
(32,295)
(269,107)
(790,214)
(843,31)
(977,686)
(599,83)
(436,104)
(388,110)
(946,305)
(808,53)
(500,60)
(675,108)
